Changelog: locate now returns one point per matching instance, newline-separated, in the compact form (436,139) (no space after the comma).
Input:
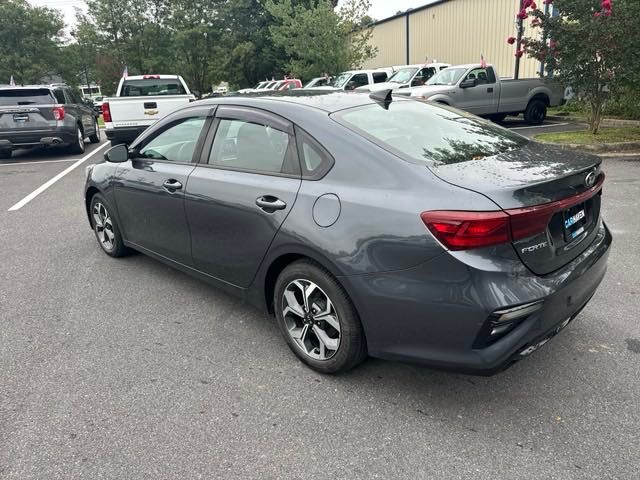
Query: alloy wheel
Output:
(103,226)
(80,140)
(311,319)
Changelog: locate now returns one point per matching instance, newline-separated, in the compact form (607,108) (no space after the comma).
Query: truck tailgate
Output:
(143,111)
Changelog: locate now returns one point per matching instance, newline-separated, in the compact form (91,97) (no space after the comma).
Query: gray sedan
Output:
(374,225)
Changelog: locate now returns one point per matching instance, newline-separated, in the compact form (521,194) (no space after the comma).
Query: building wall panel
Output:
(455,31)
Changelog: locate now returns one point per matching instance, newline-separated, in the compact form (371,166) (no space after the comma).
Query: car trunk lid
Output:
(553,197)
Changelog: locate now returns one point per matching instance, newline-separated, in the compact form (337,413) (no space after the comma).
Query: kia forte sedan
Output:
(368,225)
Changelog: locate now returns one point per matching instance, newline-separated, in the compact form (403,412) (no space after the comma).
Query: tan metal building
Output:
(452,31)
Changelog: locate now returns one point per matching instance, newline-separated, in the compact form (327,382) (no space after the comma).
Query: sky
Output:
(380,9)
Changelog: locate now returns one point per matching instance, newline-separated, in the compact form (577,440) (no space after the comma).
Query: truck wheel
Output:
(95,138)
(536,112)
(5,153)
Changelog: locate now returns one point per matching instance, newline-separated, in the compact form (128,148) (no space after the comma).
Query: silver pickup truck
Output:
(478,90)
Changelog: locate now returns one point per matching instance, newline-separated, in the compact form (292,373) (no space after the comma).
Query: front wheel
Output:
(536,112)
(106,227)
(317,319)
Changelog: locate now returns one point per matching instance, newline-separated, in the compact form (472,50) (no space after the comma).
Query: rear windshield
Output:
(152,87)
(424,132)
(25,96)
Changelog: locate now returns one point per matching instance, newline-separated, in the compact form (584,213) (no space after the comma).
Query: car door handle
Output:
(172,185)
(490,90)
(270,204)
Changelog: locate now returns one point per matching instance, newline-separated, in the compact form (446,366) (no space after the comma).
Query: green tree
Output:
(320,39)
(591,46)
(30,40)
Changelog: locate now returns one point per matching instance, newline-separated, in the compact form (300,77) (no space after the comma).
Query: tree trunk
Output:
(595,116)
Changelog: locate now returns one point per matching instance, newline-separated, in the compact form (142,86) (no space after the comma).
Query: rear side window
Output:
(152,87)
(315,160)
(379,77)
(59,94)
(422,132)
(25,96)
(242,145)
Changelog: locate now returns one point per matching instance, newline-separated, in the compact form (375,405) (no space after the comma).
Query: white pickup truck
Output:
(139,102)
(406,76)
(476,89)
(353,79)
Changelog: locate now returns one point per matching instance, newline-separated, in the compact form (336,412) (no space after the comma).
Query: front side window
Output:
(177,143)
(242,145)
(481,76)
(379,77)
(358,80)
(452,136)
(423,76)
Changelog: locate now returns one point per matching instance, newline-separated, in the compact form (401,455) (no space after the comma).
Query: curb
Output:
(606,122)
(631,147)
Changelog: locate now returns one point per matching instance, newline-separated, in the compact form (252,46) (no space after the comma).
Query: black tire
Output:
(536,112)
(77,147)
(95,137)
(117,248)
(498,118)
(352,347)
(4,154)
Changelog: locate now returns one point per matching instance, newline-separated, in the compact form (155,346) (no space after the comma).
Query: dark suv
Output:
(48,115)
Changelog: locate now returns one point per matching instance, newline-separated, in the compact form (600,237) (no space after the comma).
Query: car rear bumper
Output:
(50,137)
(421,315)
(124,134)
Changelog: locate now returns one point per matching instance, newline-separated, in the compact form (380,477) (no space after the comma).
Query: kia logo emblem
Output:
(590,179)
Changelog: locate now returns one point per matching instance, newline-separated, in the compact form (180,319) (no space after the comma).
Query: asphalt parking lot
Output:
(127,369)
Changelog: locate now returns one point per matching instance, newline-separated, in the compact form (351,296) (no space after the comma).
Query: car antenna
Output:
(383,98)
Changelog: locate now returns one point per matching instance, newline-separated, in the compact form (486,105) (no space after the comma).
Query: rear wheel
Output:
(5,153)
(536,112)
(78,145)
(95,138)
(317,319)
(106,227)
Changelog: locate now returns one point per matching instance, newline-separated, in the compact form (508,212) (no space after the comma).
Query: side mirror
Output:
(468,83)
(196,93)
(117,154)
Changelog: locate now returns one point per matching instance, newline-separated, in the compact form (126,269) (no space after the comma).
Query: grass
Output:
(100,122)
(583,137)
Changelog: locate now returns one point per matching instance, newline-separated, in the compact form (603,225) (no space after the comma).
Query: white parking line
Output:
(35,163)
(46,185)
(540,126)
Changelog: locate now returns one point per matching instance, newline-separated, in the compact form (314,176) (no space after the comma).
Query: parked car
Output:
(406,77)
(97,104)
(45,115)
(479,90)
(287,84)
(139,102)
(319,82)
(259,86)
(353,79)
(461,245)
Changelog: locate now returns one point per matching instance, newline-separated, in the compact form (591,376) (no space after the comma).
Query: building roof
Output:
(433,3)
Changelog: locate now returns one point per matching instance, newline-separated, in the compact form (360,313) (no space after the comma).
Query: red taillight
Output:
(466,230)
(58,112)
(106,112)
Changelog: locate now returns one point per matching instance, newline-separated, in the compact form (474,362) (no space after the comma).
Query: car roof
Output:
(31,87)
(326,101)
(151,77)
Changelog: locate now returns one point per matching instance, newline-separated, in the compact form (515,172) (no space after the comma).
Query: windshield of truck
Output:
(152,87)
(341,80)
(403,76)
(25,96)
(448,76)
